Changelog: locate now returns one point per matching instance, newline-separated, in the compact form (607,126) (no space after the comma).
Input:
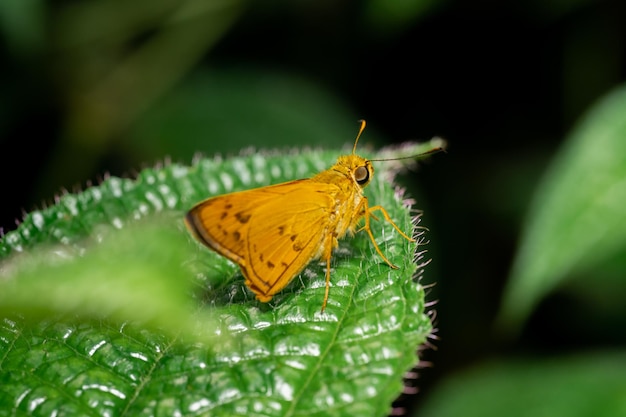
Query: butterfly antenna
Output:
(420,155)
(362,122)
(439,146)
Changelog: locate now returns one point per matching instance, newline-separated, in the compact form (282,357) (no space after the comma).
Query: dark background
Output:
(504,82)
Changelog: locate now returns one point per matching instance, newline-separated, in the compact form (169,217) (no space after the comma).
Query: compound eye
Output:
(362,175)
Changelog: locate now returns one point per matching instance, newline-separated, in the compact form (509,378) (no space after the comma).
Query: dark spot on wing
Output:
(270,265)
(281,230)
(242,217)
(223,216)
(236,235)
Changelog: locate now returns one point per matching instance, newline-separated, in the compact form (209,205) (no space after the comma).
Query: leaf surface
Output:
(111,308)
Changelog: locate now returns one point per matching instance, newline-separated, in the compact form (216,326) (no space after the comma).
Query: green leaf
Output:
(100,265)
(591,384)
(577,220)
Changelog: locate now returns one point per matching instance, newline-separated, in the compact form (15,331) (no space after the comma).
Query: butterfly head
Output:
(360,170)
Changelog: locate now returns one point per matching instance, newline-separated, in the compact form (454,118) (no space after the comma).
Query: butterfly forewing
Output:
(272,232)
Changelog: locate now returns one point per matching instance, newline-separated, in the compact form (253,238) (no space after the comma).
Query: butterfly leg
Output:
(327,284)
(367,213)
(331,242)
(386,215)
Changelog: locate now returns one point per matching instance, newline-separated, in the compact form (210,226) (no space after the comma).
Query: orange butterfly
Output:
(273,232)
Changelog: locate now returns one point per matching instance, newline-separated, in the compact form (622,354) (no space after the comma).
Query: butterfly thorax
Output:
(347,177)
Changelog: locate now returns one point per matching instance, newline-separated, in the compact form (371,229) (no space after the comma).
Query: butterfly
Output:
(273,232)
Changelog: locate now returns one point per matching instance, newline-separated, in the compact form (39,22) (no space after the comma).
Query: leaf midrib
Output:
(148,376)
(315,370)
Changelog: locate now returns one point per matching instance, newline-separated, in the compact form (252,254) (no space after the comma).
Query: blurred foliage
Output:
(590,384)
(396,15)
(272,110)
(577,224)
(89,87)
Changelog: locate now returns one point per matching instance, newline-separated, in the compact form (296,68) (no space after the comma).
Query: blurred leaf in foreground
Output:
(121,276)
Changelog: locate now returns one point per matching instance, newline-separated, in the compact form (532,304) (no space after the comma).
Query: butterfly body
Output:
(273,232)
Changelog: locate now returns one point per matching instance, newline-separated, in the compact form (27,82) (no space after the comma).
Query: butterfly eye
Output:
(362,175)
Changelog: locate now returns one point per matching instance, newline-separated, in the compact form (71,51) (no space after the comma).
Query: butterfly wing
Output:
(295,230)
(222,223)
(271,232)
